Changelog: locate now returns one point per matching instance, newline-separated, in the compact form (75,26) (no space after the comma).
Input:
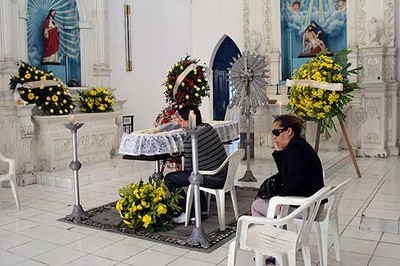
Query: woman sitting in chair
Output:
(299,167)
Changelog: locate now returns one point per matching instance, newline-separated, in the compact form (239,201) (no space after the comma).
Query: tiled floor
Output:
(33,236)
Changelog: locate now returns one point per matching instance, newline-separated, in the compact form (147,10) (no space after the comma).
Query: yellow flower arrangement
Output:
(96,100)
(43,89)
(147,205)
(320,104)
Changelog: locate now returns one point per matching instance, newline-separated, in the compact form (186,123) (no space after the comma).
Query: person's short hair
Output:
(290,120)
(185,110)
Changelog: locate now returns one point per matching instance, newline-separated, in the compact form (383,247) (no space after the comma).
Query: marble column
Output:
(101,65)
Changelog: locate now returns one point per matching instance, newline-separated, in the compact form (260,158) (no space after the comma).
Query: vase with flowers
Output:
(96,100)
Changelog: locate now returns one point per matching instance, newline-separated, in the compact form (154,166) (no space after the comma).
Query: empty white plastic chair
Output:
(10,176)
(233,162)
(322,220)
(330,215)
(264,237)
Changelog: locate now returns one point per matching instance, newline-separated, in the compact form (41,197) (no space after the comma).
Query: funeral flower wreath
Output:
(316,95)
(43,89)
(186,82)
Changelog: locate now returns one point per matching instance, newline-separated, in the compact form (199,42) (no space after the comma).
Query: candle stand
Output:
(248,76)
(198,236)
(78,214)
(248,175)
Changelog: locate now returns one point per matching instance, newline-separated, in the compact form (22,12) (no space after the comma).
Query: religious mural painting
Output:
(308,27)
(53,38)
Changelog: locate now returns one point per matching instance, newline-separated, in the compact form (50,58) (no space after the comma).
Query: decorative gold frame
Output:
(127,25)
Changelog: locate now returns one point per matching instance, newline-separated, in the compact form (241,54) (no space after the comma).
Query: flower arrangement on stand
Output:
(313,96)
(43,89)
(147,205)
(96,100)
(186,82)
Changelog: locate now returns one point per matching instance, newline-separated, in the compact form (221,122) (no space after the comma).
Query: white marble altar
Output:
(52,146)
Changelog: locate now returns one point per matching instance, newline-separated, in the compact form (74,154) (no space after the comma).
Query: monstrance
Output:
(248,76)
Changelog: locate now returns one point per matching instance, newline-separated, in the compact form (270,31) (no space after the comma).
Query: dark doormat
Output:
(107,218)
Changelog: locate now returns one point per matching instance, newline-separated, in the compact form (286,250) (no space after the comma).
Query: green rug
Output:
(107,218)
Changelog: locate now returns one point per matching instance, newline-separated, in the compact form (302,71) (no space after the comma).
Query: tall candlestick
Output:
(78,214)
(192,119)
(71,119)
(198,236)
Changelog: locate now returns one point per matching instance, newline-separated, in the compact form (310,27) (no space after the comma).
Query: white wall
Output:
(213,19)
(161,35)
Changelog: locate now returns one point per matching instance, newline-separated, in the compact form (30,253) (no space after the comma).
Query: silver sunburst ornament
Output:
(248,75)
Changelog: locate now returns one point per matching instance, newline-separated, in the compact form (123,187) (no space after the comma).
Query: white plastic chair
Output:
(233,160)
(264,237)
(321,224)
(10,176)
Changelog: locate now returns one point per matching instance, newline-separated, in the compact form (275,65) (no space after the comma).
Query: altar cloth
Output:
(150,142)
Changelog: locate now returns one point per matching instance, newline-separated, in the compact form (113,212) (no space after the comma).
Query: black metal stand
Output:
(248,176)
(78,214)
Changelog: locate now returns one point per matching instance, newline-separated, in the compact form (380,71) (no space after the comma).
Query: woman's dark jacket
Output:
(299,169)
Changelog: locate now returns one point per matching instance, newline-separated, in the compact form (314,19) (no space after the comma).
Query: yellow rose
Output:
(31,96)
(146,220)
(54,98)
(27,76)
(161,209)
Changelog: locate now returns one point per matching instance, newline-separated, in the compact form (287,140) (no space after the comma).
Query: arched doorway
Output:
(227,50)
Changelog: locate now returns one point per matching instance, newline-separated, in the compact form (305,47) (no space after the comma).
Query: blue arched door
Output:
(221,93)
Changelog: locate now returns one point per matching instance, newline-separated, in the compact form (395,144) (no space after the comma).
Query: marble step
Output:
(96,172)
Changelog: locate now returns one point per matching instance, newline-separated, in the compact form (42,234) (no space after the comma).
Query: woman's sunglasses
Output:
(277,131)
